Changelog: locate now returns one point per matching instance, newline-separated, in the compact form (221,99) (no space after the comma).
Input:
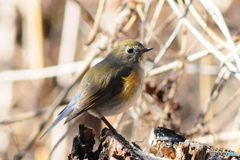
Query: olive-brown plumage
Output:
(111,86)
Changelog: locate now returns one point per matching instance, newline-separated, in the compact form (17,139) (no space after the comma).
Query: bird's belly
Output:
(121,102)
(116,105)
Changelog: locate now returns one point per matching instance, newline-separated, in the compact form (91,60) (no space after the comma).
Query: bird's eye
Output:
(130,50)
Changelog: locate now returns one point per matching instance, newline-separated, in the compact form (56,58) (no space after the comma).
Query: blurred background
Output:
(192,75)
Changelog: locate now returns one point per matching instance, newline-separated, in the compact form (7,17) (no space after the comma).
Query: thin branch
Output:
(200,37)
(131,21)
(169,41)
(219,82)
(148,28)
(177,63)
(232,53)
(157,13)
(145,19)
(95,27)
(224,107)
(24,116)
(209,31)
(41,73)
(218,18)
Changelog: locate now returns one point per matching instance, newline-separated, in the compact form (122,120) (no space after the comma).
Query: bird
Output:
(110,87)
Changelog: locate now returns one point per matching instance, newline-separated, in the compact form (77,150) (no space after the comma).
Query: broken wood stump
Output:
(167,142)
(112,146)
(175,146)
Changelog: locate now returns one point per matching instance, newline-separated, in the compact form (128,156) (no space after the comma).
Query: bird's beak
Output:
(147,49)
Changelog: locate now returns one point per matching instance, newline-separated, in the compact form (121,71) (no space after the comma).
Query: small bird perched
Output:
(110,87)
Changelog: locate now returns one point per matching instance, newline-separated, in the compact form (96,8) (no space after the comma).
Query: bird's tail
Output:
(65,112)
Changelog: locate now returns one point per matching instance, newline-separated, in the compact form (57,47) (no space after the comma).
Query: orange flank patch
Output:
(130,84)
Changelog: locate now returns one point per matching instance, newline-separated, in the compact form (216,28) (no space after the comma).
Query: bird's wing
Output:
(94,95)
(91,96)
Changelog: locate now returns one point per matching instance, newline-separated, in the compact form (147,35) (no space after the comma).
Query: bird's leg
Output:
(108,124)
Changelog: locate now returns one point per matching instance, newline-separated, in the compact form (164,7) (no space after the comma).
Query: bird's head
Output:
(129,51)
